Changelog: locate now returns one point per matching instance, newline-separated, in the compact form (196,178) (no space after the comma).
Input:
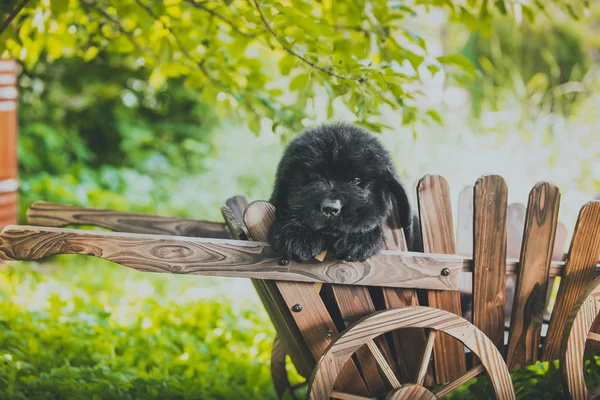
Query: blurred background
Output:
(171,107)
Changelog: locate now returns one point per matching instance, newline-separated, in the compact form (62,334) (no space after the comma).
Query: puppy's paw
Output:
(358,246)
(295,241)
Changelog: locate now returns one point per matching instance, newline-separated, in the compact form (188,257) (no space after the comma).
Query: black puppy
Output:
(334,189)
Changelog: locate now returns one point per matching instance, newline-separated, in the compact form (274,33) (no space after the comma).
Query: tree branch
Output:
(115,22)
(299,56)
(12,15)
(186,53)
(222,18)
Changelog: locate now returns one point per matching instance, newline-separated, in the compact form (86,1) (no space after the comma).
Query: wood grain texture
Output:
(57,215)
(340,351)
(219,257)
(411,392)
(532,280)
(238,204)
(279,313)
(409,345)
(489,257)
(578,272)
(288,340)
(313,320)
(437,227)
(577,329)
(354,303)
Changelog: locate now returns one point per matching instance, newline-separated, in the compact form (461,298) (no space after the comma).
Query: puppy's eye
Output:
(355,181)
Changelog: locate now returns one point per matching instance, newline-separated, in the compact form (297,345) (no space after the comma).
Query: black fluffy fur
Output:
(324,162)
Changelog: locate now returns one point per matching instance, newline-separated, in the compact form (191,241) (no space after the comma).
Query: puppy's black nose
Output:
(331,208)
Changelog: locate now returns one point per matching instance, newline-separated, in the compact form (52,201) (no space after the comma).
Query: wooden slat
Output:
(238,205)
(437,228)
(464,247)
(220,257)
(57,215)
(354,303)
(578,272)
(489,257)
(314,322)
(532,279)
(280,315)
(407,344)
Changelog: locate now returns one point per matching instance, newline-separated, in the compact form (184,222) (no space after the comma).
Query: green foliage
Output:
(91,130)
(253,60)
(74,333)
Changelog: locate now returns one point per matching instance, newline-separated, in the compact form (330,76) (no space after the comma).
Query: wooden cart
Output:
(389,327)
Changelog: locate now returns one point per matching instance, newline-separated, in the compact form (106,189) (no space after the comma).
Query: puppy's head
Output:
(338,178)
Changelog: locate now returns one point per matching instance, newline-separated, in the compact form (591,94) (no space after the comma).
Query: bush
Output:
(73,333)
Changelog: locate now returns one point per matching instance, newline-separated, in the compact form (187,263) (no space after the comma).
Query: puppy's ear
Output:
(400,197)
(281,189)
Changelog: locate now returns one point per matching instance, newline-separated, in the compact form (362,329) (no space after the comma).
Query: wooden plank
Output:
(354,303)
(532,279)
(489,257)
(220,257)
(311,316)
(408,343)
(464,247)
(276,309)
(578,272)
(56,215)
(437,227)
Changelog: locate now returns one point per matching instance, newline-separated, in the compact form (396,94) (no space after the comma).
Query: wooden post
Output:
(8,142)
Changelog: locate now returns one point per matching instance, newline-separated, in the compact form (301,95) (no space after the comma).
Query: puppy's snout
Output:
(331,208)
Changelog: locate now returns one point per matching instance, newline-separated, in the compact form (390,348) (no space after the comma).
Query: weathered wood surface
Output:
(312,318)
(354,303)
(238,205)
(532,281)
(577,330)
(288,332)
(56,215)
(578,272)
(489,256)
(329,366)
(219,257)
(407,345)
(437,226)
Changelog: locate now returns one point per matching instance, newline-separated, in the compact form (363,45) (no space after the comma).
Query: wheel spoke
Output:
(593,336)
(347,396)
(472,373)
(387,370)
(426,358)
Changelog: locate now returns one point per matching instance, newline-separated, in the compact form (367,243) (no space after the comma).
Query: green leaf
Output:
(300,81)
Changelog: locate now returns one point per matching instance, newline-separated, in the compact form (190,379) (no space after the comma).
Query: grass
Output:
(92,330)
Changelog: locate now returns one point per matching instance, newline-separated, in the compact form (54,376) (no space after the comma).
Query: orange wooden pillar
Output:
(8,142)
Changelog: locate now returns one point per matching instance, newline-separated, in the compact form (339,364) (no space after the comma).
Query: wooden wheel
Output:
(578,330)
(279,372)
(433,320)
